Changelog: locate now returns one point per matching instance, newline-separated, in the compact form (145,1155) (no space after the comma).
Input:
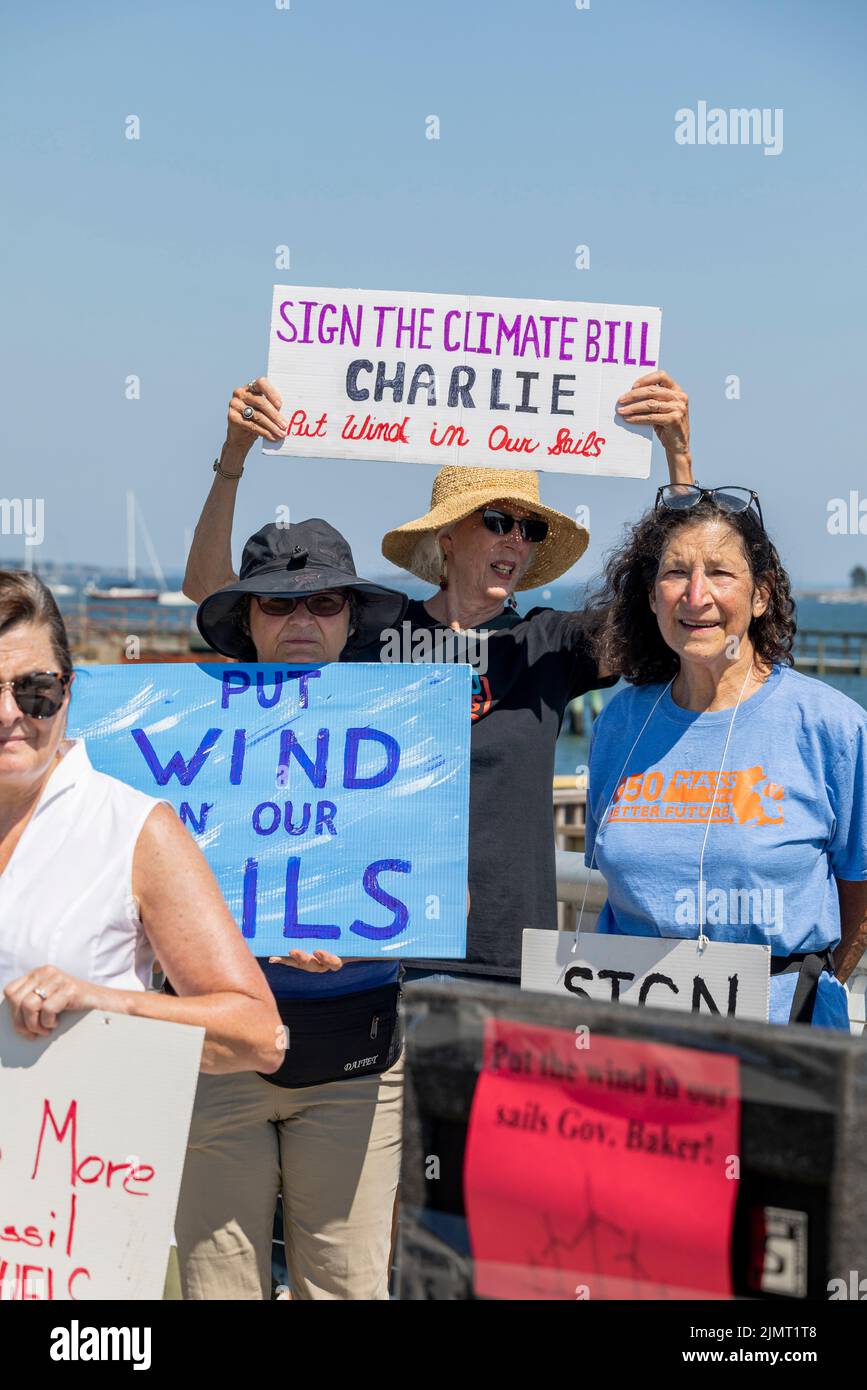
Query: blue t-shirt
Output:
(790,818)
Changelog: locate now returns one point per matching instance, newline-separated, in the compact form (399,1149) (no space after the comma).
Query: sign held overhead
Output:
(460,379)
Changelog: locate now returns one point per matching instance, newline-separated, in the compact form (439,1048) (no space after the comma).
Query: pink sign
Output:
(601,1168)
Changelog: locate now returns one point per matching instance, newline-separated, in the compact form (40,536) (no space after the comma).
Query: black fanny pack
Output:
(356,1034)
(808,965)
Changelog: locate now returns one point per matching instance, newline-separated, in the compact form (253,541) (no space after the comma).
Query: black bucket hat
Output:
(304,558)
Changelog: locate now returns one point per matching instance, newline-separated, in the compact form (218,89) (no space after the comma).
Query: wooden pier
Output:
(829,653)
(104,633)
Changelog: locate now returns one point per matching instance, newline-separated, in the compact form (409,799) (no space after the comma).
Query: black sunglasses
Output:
(39,694)
(532,528)
(325,605)
(679,497)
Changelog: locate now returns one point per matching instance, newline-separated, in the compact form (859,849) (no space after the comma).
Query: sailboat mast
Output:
(130,535)
(152,554)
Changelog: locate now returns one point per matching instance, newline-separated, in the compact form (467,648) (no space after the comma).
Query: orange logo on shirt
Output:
(736,797)
(481,699)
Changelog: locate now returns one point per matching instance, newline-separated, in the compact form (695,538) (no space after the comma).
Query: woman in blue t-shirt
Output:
(728,792)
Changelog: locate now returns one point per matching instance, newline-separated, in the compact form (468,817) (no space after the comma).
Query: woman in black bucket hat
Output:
(304,569)
(323,1130)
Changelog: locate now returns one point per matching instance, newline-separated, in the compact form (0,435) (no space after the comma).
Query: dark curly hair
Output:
(622,626)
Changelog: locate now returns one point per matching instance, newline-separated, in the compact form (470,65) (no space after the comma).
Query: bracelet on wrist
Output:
(222,472)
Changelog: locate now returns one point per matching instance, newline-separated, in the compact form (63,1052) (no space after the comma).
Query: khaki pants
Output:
(333,1151)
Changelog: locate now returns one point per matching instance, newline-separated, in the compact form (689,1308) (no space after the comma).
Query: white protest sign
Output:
(93,1134)
(663,972)
(460,379)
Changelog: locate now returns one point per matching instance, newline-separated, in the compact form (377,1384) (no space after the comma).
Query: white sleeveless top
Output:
(66,894)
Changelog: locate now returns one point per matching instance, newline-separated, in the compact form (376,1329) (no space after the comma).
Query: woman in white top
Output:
(96,879)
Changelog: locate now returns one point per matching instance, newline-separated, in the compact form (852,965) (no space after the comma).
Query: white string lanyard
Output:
(702,938)
(608,808)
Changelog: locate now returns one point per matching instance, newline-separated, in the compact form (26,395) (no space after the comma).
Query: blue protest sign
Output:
(331,802)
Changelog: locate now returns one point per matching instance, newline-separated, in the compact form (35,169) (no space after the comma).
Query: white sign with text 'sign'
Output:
(661,972)
(460,379)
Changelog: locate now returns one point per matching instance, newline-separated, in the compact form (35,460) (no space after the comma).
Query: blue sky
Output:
(306,126)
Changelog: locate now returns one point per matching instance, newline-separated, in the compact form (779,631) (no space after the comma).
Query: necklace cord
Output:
(608,808)
(702,937)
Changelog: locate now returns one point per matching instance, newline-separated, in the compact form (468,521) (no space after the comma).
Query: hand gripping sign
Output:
(330,802)
(459,379)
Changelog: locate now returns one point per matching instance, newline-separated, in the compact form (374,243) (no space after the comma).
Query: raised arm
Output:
(209,563)
(657,400)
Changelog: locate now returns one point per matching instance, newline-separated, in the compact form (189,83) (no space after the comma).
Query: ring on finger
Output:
(251,386)
(41,992)
(248,412)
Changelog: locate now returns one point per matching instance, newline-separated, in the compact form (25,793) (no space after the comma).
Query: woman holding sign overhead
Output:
(97,878)
(486,536)
(727,791)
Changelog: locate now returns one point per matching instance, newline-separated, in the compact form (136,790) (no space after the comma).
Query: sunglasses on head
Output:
(39,694)
(679,497)
(532,528)
(325,605)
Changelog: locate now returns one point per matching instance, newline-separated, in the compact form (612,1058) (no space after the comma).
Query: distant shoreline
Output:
(79,574)
(833,595)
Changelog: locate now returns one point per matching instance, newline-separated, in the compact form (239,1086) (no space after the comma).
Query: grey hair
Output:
(427,556)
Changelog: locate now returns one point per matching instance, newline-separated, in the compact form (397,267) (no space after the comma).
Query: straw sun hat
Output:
(457,493)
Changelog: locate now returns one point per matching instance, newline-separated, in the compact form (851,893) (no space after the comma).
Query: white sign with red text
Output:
(93,1133)
(459,379)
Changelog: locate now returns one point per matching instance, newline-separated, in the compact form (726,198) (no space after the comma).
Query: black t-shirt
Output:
(535,666)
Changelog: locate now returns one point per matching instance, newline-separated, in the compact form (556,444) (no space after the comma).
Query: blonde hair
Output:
(427,556)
